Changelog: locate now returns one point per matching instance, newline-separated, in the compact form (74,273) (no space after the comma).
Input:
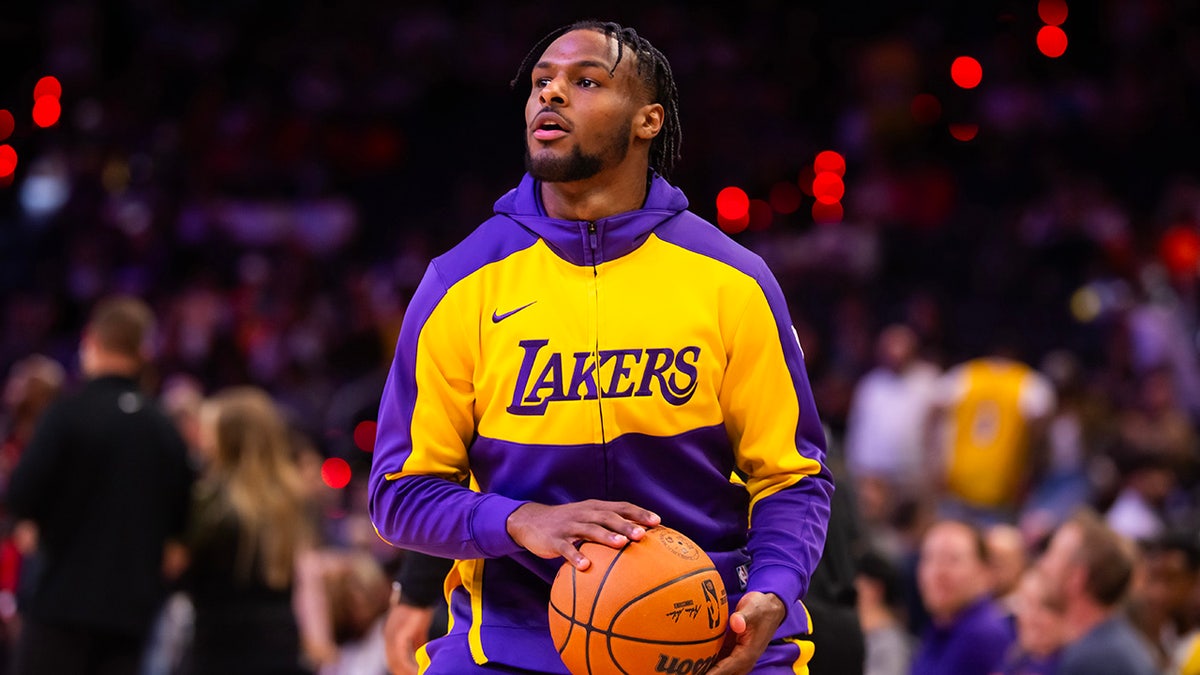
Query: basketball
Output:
(655,605)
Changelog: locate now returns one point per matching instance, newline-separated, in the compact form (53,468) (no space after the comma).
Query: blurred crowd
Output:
(1017,311)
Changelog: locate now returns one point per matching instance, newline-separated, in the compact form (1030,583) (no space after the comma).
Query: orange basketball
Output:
(655,605)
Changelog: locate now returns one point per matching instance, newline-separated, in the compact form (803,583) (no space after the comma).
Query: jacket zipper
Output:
(593,245)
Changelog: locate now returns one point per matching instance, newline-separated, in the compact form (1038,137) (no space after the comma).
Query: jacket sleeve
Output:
(779,444)
(31,486)
(426,422)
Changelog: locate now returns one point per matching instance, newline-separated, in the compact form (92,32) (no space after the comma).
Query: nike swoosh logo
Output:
(497,318)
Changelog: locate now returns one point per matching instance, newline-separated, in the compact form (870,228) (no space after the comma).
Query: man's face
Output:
(579,119)
(950,574)
(1058,564)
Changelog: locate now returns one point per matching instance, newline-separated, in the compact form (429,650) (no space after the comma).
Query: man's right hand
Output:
(553,531)
(406,629)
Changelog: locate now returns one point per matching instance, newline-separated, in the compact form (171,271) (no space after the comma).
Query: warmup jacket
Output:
(644,357)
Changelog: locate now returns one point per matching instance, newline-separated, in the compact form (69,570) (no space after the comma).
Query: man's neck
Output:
(598,197)
(1081,618)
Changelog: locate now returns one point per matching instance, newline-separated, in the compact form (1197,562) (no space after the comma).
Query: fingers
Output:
(554,531)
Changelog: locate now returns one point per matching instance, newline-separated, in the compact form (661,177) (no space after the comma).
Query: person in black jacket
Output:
(105,478)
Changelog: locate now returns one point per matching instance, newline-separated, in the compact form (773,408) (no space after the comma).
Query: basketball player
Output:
(599,360)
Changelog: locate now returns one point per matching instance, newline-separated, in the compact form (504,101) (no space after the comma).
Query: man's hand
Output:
(553,531)
(406,629)
(751,627)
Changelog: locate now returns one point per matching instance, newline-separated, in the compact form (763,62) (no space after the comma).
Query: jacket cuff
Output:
(780,580)
(489,526)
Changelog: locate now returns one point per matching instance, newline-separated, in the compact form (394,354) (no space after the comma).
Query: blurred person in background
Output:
(988,417)
(889,645)
(418,610)
(1008,556)
(33,383)
(885,442)
(249,527)
(1146,481)
(1040,630)
(106,480)
(1161,604)
(969,634)
(1088,569)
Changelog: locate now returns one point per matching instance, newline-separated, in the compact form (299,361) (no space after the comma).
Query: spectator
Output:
(1161,605)
(969,635)
(989,413)
(1007,559)
(1147,480)
(105,478)
(1039,629)
(889,646)
(249,527)
(885,442)
(1088,567)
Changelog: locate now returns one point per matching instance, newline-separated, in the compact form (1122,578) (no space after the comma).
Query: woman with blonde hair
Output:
(250,523)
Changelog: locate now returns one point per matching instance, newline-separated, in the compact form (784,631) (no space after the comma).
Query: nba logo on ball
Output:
(653,606)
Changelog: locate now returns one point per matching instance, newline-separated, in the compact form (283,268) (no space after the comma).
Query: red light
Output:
(807,174)
(8,160)
(926,108)
(335,471)
(827,214)
(830,161)
(733,225)
(828,187)
(966,72)
(6,181)
(761,215)
(46,111)
(47,86)
(364,436)
(964,132)
(7,124)
(1052,41)
(1180,250)
(1052,12)
(733,204)
(785,198)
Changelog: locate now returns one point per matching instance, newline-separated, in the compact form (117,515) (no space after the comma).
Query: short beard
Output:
(578,166)
(573,167)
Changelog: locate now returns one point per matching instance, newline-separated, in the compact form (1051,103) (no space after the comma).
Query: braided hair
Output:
(654,71)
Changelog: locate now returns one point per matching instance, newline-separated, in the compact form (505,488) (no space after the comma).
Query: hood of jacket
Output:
(581,242)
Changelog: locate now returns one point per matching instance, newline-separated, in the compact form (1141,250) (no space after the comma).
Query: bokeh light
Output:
(1052,41)
(807,174)
(7,124)
(785,198)
(831,161)
(926,109)
(47,86)
(966,72)
(364,435)
(8,160)
(335,471)
(1180,250)
(1052,12)
(46,111)
(828,187)
(733,203)
(827,214)
(964,131)
(761,215)
(733,225)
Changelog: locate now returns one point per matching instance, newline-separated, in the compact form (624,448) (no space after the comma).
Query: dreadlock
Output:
(653,69)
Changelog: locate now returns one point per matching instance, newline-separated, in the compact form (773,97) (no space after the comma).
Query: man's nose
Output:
(555,91)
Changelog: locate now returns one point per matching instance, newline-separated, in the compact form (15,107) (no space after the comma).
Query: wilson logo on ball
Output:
(678,666)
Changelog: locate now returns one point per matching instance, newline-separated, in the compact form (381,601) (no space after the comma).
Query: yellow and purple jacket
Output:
(644,357)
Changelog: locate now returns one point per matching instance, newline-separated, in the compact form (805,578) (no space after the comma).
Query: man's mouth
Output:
(549,126)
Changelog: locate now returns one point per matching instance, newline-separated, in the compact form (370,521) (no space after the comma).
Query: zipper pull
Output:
(592,236)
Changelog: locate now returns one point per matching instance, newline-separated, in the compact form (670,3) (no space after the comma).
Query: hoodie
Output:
(643,357)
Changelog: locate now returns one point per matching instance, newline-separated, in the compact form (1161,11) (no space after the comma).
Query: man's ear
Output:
(648,121)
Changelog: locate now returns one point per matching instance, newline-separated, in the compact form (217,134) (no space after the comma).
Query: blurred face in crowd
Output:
(1039,620)
(1060,566)
(896,348)
(950,574)
(1006,557)
(1169,584)
(580,118)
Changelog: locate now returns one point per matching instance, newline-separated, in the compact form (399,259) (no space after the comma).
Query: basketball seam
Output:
(610,634)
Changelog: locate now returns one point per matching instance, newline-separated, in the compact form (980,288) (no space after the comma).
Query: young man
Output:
(599,360)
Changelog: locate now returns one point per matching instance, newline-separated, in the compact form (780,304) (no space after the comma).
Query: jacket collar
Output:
(574,240)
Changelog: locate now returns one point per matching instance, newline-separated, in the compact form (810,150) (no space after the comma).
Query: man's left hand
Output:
(751,626)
